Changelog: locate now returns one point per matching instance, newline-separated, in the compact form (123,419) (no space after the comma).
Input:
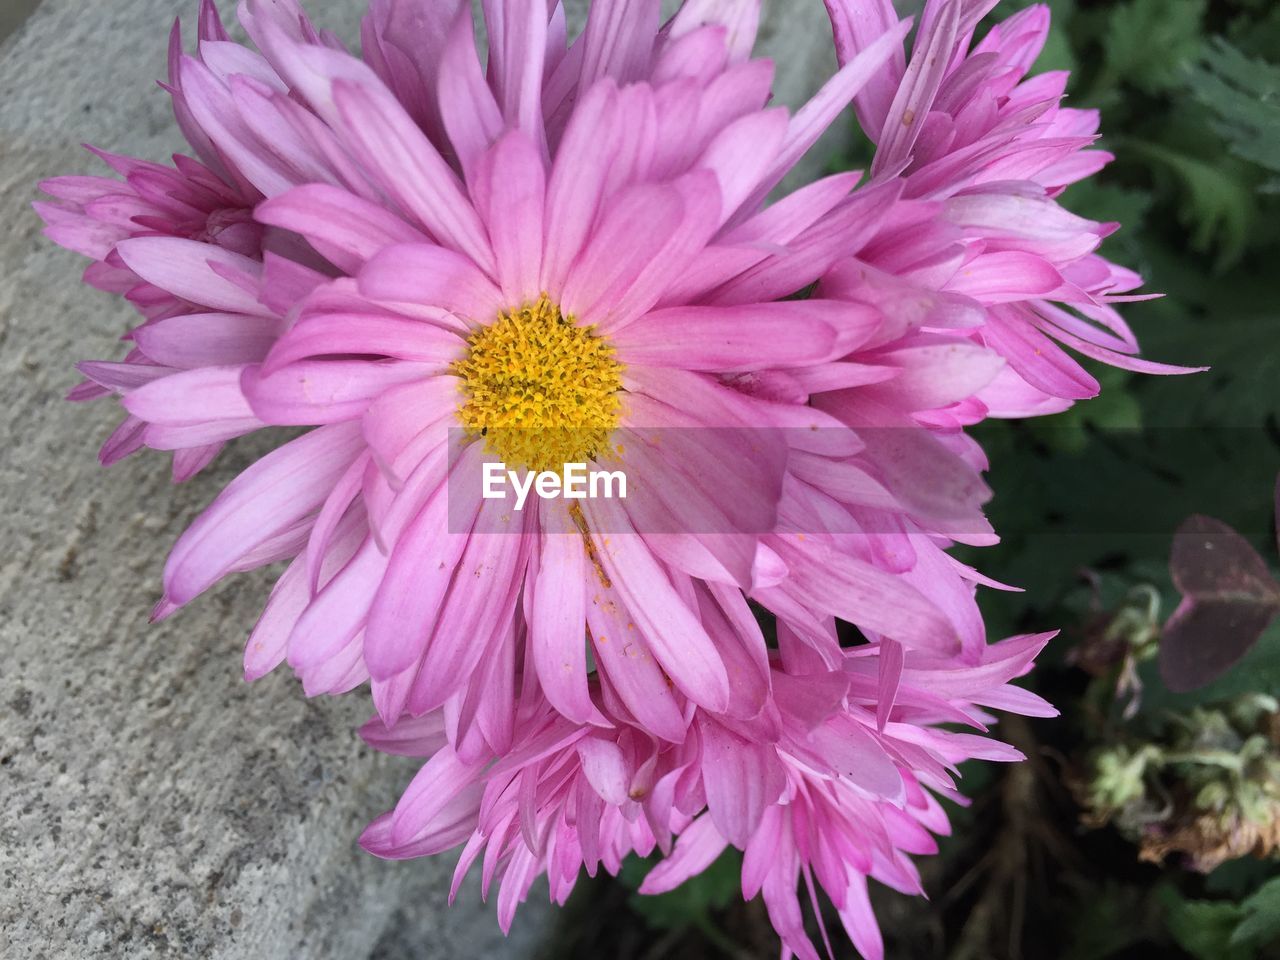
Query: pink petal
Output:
(698,847)
(185,268)
(930,58)
(856,24)
(1002,277)
(191,397)
(557,618)
(605,769)
(207,339)
(370,334)
(277,491)
(673,632)
(412,595)
(618,41)
(517,49)
(420,275)
(741,778)
(325,391)
(409,168)
(514,195)
(628,667)
(470,113)
(343,228)
(742,154)
(723,339)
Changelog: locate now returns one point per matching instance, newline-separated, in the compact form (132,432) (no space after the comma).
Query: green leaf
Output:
(1244,95)
(1219,203)
(1204,928)
(1261,924)
(1149,43)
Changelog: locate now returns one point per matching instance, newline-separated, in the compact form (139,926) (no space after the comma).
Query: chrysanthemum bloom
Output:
(538,318)
(991,150)
(225,280)
(567,257)
(835,783)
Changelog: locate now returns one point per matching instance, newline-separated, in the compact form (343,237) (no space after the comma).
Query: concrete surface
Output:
(151,803)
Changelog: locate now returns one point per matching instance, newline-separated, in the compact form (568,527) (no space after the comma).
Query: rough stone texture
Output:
(151,803)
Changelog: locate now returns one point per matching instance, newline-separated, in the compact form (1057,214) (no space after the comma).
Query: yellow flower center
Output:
(541,390)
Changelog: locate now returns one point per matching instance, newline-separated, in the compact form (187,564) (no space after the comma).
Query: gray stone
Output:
(151,803)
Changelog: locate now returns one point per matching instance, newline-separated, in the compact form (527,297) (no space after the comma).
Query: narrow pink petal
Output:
(739,18)
(189,462)
(741,778)
(478,608)
(673,632)
(370,334)
(122,377)
(855,753)
(517,51)
(277,491)
(514,196)
(891,659)
(405,423)
(331,624)
(185,268)
(618,40)
(425,275)
(723,339)
(1120,360)
(698,847)
(161,436)
(628,667)
(214,114)
(700,216)
(557,618)
(841,233)
(191,396)
(856,24)
(930,58)
(325,391)
(412,595)
(935,374)
(410,737)
(638,224)
(859,919)
(1002,277)
(343,228)
(813,119)
(834,583)
(269,640)
(207,339)
(577,182)
(605,769)
(742,154)
(470,113)
(390,144)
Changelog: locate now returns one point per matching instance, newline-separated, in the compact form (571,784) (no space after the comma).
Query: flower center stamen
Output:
(541,390)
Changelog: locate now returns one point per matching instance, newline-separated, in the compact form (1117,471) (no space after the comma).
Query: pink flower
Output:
(567,255)
(835,784)
(991,151)
(223,281)
(597,246)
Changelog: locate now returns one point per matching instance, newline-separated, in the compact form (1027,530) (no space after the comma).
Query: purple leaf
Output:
(1228,599)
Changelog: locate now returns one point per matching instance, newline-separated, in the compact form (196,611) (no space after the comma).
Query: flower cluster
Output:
(569,253)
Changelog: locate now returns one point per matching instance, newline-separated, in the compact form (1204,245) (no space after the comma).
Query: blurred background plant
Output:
(1148,817)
